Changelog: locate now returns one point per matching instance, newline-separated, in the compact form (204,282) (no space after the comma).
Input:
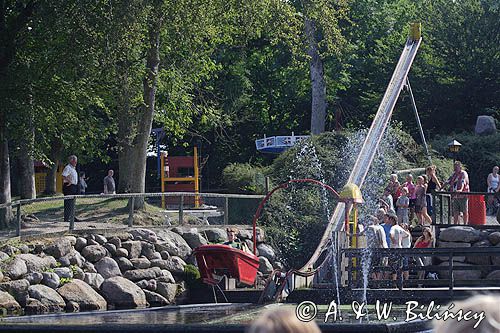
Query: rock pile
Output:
(133,269)
(466,237)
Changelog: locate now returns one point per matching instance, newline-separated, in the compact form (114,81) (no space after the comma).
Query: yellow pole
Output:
(196,178)
(355,237)
(162,178)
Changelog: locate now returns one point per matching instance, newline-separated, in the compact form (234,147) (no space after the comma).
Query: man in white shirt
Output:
(397,234)
(376,239)
(70,187)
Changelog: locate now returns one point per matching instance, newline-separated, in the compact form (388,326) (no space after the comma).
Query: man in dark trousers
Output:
(70,187)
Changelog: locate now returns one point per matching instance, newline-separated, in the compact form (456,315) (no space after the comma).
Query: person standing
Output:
(411,194)
(432,185)
(493,182)
(109,183)
(82,184)
(421,202)
(70,187)
(459,182)
(402,204)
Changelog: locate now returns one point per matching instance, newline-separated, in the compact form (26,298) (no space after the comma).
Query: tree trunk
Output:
(318,85)
(5,213)
(25,159)
(132,158)
(51,176)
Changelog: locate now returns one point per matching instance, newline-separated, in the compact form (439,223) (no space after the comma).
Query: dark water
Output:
(209,314)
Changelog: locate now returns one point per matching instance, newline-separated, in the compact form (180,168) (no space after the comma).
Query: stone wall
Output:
(467,237)
(133,269)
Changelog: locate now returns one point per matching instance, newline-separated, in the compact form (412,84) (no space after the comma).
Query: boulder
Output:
(134,248)
(463,234)
(121,252)
(140,263)
(122,293)
(35,263)
(494,237)
(266,251)
(460,274)
(111,248)
(124,264)
(166,276)
(35,307)
(64,261)
(159,263)
(71,239)
(75,258)
(78,273)
(89,267)
(94,253)
(495,275)
(173,243)
(452,245)
(145,234)
(155,256)
(18,289)
(91,242)
(479,260)
(94,280)
(175,265)
(51,280)
(64,272)
(140,274)
(3,256)
(145,284)
(265,266)
(59,247)
(82,294)
(34,278)
(107,267)
(167,290)
(248,234)
(15,269)
(193,238)
(10,250)
(215,235)
(164,255)
(115,241)
(48,296)
(155,299)
(72,307)
(24,248)
(148,249)
(80,243)
(8,304)
(100,239)
(485,125)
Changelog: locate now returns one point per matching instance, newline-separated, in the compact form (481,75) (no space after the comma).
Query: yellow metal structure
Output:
(415,31)
(40,180)
(351,193)
(165,177)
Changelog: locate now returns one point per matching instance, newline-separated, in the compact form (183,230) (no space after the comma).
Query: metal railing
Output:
(47,214)
(447,273)
(443,206)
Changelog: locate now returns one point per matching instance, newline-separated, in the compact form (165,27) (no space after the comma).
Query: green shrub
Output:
(244,178)
(192,276)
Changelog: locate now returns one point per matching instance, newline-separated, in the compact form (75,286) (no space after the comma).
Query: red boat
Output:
(217,260)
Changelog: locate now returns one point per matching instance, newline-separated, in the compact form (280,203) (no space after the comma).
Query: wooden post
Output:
(196,178)
(441,210)
(268,184)
(449,209)
(18,217)
(131,211)
(162,178)
(450,271)
(181,211)
(72,215)
(226,211)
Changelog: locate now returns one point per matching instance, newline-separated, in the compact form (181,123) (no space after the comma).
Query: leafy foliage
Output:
(244,178)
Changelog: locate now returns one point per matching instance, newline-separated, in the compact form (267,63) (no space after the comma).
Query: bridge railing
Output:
(477,202)
(448,263)
(115,211)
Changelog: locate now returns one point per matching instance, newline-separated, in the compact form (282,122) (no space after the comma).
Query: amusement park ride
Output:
(215,261)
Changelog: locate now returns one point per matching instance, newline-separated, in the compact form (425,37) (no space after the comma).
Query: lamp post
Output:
(454,148)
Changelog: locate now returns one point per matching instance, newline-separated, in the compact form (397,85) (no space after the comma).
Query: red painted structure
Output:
(224,260)
(179,167)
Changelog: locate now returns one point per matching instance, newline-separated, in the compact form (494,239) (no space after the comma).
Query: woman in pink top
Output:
(411,194)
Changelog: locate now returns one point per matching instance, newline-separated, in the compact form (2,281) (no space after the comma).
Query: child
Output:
(411,194)
(421,202)
(402,204)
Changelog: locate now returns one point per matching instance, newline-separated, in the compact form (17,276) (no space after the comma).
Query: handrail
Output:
(132,195)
